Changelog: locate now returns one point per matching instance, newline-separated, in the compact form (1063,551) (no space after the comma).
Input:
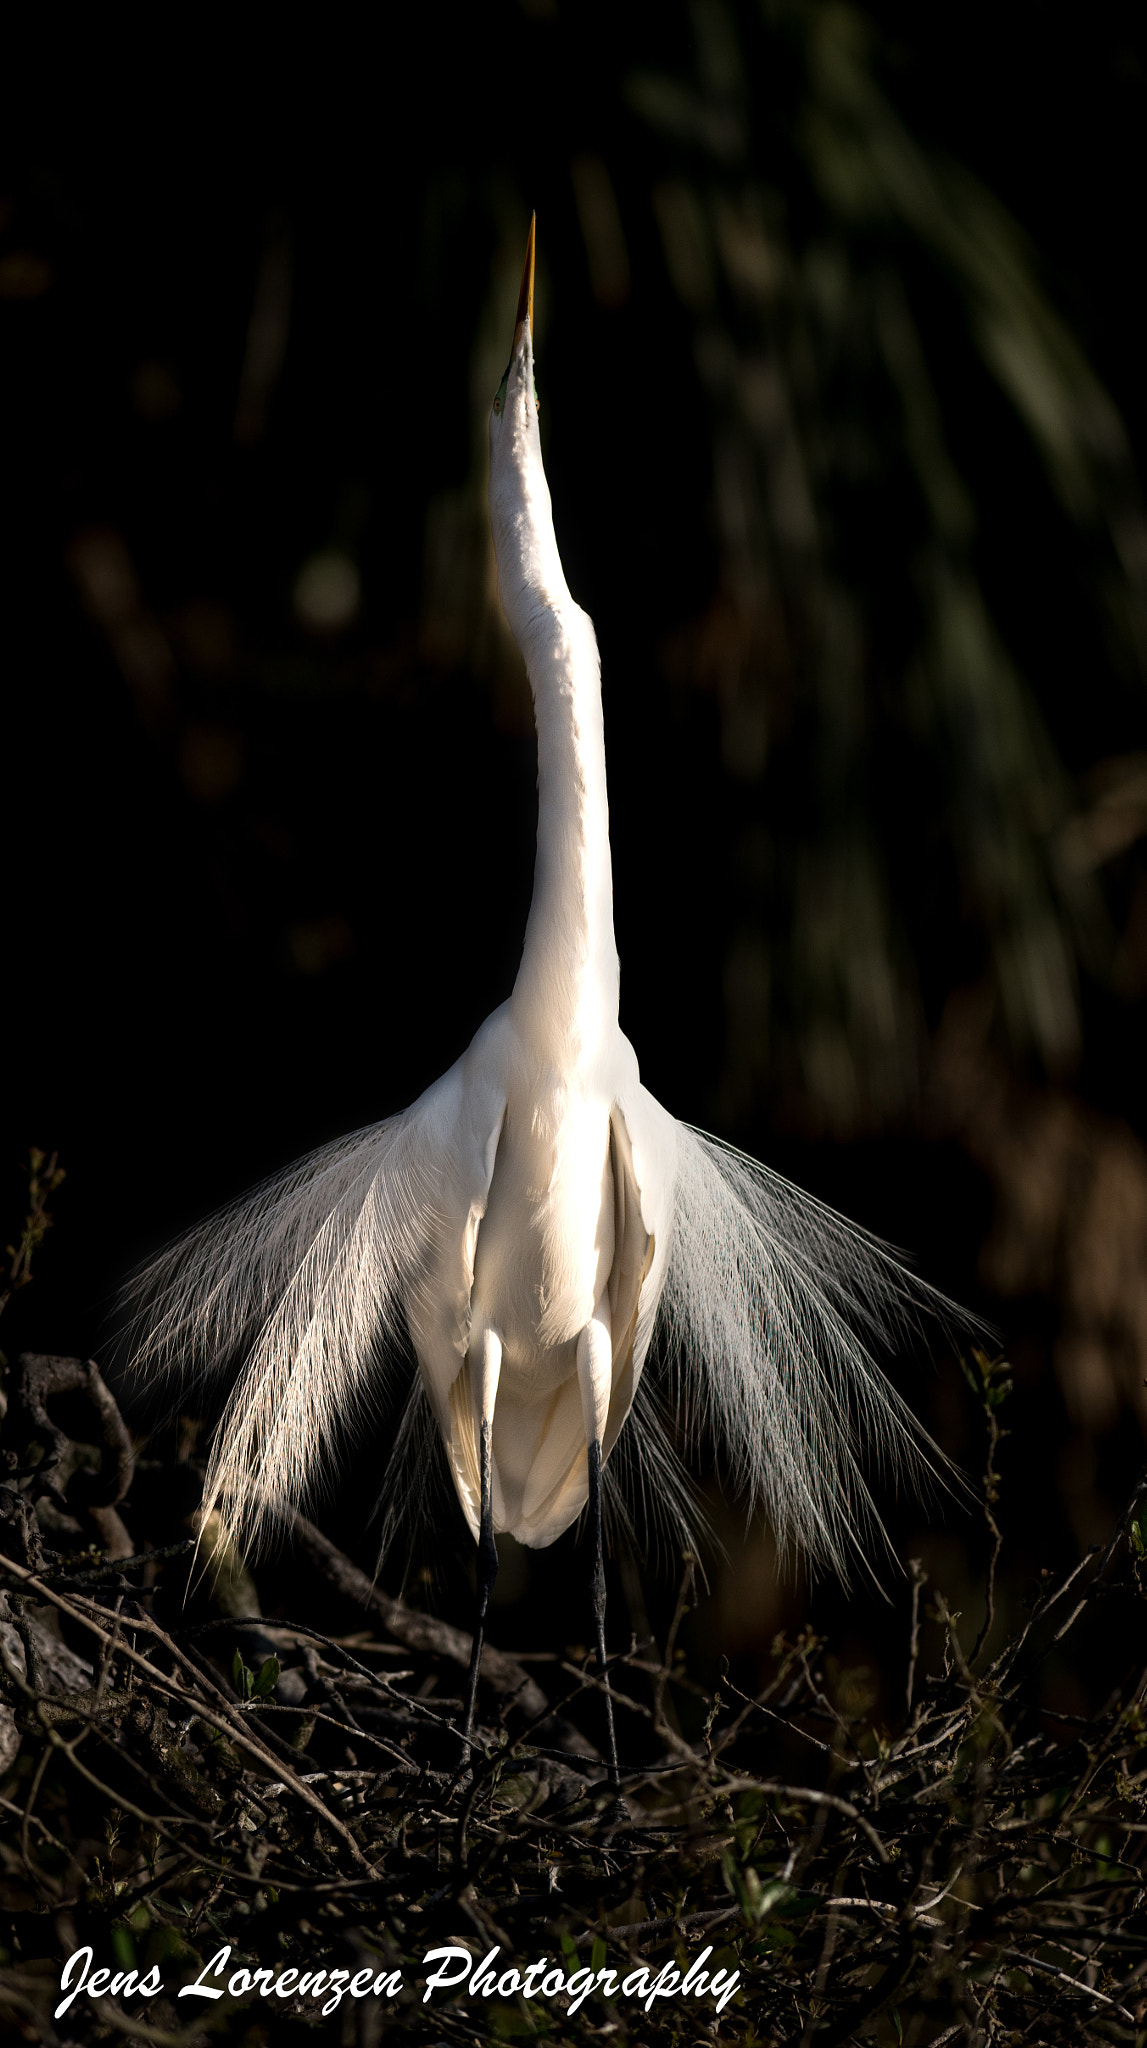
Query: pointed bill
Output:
(526,295)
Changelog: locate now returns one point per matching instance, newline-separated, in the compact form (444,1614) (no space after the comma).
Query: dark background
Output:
(840,344)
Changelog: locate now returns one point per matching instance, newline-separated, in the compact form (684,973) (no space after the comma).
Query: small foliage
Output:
(972,1871)
(251,1685)
(45,1176)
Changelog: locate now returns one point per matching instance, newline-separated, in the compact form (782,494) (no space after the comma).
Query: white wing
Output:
(766,1302)
(548,1473)
(315,1278)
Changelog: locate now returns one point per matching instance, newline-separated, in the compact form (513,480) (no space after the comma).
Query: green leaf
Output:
(774,1935)
(123,1948)
(268,1678)
(774,1896)
(242,1677)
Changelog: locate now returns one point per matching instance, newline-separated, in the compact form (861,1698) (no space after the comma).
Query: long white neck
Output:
(566,992)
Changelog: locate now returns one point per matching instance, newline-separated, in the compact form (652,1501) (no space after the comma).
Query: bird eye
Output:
(497,405)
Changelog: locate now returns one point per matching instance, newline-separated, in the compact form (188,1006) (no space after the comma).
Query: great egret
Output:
(536,1213)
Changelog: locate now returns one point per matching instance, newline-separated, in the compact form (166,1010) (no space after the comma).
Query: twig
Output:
(416,1631)
(1023,1962)
(919,1580)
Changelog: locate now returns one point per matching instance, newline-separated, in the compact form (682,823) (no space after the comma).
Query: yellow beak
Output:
(526,295)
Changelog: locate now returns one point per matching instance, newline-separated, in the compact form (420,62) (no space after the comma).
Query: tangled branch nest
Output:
(174,1789)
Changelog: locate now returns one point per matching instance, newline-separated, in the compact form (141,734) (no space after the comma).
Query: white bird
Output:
(536,1215)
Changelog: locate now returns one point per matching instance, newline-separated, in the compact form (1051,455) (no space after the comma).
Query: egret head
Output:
(521,516)
(514,414)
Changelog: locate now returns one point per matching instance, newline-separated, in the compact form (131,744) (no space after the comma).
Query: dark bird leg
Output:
(598,1588)
(487,1573)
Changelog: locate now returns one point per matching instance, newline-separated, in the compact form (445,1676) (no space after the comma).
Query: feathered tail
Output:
(769,1304)
(304,1281)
